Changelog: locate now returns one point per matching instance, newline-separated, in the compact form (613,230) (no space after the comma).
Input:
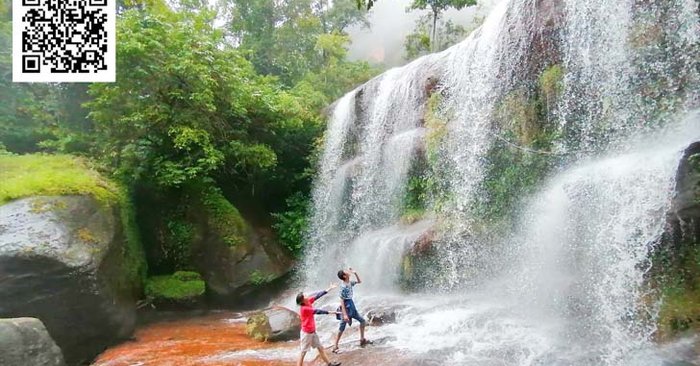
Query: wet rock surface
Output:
(273,325)
(61,262)
(25,341)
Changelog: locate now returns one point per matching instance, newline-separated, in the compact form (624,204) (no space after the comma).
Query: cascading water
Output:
(561,279)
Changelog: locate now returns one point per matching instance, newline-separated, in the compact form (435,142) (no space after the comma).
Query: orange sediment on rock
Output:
(213,340)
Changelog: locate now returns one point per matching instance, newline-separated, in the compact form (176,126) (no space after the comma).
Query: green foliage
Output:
(292,224)
(53,175)
(441,5)
(679,284)
(223,217)
(283,36)
(520,158)
(178,246)
(551,81)
(512,174)
(419,42)
(416,195)
(259,278)
(518,116)
(336,76)
(135,266)
(187,276)
(178,286)
(186,106)
(414,43)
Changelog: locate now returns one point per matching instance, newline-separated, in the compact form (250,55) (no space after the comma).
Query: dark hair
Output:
(341,274)
(300,298)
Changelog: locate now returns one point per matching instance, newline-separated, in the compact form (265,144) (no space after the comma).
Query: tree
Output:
(418,43)
(281,37)
(437,7)
(188,107)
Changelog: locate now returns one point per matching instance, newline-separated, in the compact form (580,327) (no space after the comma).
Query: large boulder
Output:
(236,271)
(25,342)
(684,218)
(417,260)
(275,324)
(676,271)
(62,260)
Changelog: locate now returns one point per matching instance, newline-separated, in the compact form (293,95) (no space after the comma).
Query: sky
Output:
(390,24)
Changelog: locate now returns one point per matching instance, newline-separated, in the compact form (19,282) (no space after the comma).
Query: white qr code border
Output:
(44,73)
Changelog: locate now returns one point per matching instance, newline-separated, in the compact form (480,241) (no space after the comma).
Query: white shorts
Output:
(308,340)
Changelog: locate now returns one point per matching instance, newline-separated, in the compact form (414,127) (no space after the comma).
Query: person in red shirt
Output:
(308,337)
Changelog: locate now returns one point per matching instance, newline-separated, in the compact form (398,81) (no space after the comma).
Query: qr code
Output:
(63,40)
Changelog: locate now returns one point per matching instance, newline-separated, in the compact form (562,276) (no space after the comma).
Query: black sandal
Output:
(364,342)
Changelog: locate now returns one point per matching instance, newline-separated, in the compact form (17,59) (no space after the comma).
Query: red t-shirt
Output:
(306,313)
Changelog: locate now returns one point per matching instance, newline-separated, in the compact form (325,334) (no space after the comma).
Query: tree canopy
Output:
(226,95)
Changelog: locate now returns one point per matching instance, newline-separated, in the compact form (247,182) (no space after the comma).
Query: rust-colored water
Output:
(211,340)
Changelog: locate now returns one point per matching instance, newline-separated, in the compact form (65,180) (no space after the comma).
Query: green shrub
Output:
(292,224)
(224,218)
(258,278)
(178,246)
(551,82)
(174,287)
(187,276)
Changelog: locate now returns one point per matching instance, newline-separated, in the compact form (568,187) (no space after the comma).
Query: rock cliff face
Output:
(62,261)
(684,219)
(25,341)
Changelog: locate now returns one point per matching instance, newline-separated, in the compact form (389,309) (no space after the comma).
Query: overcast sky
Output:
(390,24)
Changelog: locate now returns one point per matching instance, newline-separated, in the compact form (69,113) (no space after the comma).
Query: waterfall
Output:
(591,96)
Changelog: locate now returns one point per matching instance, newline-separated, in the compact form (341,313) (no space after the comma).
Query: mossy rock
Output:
(54,175)
(182,288)
(68,261)
(276,324)
(676,270)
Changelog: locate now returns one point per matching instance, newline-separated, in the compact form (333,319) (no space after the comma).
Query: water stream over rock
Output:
(560,280)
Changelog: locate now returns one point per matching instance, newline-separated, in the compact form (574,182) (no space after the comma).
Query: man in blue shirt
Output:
(347,307)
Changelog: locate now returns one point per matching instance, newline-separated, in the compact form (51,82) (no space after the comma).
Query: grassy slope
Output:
(56,175)
(52,175)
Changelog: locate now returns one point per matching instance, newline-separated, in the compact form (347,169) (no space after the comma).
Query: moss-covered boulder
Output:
(25,341)
(201,230)
(676,270)
(276,324)
(70,258)
(181,289)
(418,260)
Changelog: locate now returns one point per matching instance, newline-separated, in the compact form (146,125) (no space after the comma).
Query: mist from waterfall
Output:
(563,283)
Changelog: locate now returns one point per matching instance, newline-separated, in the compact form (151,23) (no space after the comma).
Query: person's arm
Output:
(357,277)
(321,311)
(321,293)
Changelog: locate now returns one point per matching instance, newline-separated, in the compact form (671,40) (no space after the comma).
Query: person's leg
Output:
(301,358)
(341,329)
(363,324)
(324,357)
